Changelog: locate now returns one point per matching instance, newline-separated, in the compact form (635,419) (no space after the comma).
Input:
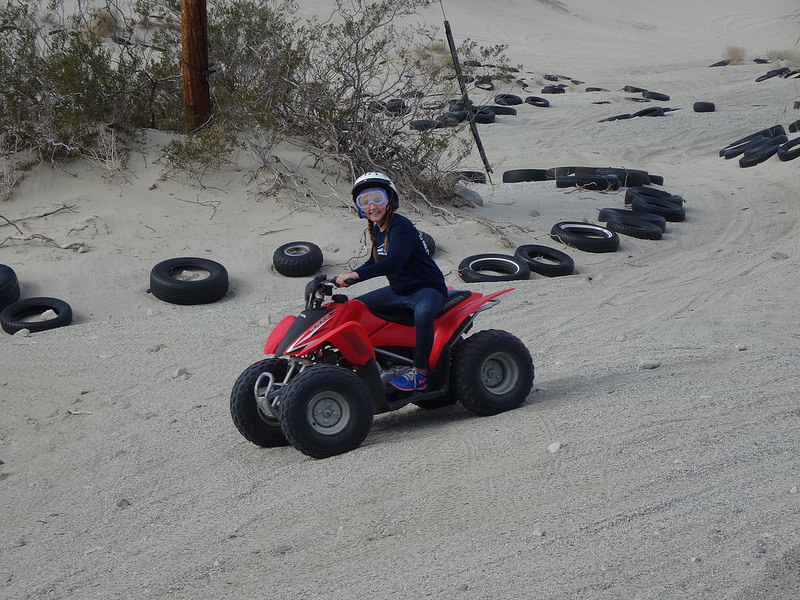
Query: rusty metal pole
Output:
(196,97)
(465,97)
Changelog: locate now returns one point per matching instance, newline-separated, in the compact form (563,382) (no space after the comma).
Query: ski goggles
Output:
(376,196)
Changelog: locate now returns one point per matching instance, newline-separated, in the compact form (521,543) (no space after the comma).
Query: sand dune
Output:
(667,371)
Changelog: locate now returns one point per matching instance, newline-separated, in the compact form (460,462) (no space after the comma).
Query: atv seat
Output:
(405,316)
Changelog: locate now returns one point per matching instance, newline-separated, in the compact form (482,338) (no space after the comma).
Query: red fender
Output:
(447,324)
(277,334)
(470,305)
(352,341)
(350,338)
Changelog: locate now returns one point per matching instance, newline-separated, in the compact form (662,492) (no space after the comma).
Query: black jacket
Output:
(406,265)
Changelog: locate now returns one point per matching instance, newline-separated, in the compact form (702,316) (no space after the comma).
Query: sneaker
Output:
(410,381)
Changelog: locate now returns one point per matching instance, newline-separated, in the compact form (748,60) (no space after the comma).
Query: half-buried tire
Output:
(545,260)
(493,267)
(188,280)
(34,315)
(638,228)
(297,259)
(9,286)
(585,236)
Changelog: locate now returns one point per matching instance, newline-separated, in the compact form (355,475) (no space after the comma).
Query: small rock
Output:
(647,421)
(463,587)
(741,347)
(156,348)
(22,333)
(779,256)
(696,559)
(187,275)
(49,315)
(263,322)
(123,503)
(621,338)
(555,447)
(793,489)
(533,212)
(281,549)
(538,532)
(648,363)
(119,453)
(181,374)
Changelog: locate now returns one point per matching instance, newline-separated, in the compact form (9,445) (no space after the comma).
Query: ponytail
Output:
(371,231)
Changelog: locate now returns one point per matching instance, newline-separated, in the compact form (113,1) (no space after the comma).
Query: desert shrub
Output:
(734,54)
(364,78)
(790,57)
(209,148)
(60,84)
(344,88)
(65,90)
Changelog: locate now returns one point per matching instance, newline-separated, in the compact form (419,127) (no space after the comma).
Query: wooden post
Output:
(196,98)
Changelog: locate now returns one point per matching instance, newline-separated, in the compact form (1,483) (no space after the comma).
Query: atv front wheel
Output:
(326,410)
(263,429)
(492,372)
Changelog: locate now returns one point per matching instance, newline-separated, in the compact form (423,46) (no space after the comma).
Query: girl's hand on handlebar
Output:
(345,279)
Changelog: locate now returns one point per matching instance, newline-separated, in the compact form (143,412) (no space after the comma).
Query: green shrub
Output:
(209,148)
(344,88)
(60,85)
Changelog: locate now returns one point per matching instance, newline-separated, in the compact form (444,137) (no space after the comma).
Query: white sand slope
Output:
(667,371)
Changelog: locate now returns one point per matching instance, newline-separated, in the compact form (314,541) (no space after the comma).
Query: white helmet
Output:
(376,180)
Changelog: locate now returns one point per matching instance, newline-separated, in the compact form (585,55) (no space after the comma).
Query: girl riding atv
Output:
(400,253)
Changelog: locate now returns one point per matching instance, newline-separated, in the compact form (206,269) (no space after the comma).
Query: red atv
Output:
(334,360)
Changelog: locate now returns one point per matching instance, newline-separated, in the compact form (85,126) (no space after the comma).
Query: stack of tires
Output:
(650,210)
(757,147)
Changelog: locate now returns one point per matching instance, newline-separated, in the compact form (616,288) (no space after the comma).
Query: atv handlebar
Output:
(319,287)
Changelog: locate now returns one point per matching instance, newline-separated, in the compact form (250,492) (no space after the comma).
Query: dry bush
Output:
(790,58)
(734,55)
(103,23)
(64,87)
(365,82)
(344,88)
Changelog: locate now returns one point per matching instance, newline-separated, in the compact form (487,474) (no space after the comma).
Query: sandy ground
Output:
(123,475)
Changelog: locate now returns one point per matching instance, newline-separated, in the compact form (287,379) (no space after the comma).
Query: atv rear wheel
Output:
(326,410)
(492,372)
(263,429)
